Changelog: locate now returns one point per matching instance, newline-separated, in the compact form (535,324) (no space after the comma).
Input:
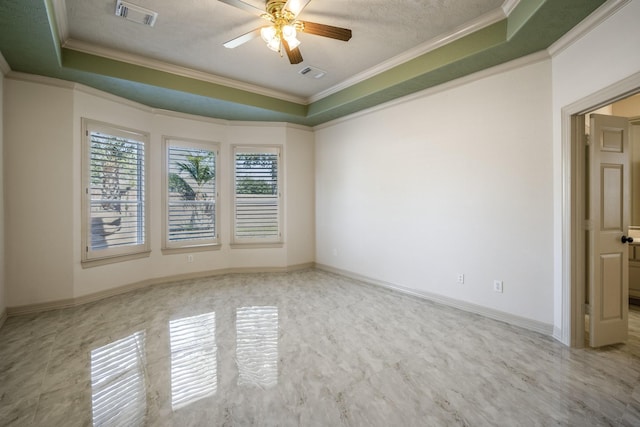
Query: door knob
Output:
(625,239)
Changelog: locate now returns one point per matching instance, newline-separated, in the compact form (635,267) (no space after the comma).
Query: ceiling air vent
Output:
(312,72)
(135,13)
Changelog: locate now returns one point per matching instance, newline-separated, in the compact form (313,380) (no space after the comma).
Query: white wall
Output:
(452,182)
(44,131)
(604,56)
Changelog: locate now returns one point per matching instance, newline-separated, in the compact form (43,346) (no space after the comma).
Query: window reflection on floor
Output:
(117,382)
(193,359)
(257,346)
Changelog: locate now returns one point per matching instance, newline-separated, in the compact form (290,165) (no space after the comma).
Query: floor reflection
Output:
(194,369)
(257,346)
(117,382)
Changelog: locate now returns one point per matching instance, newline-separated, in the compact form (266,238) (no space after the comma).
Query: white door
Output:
(609,212)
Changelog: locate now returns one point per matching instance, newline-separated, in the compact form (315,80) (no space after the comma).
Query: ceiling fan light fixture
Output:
(289,32)
(281,32)
(268,33)
(274,44)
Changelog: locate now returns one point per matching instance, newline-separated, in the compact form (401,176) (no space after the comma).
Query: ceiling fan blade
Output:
(323,30)
(244,6)
(296,6)
(295,57)
(242,39)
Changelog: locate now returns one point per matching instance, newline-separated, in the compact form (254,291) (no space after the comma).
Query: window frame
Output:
(189,245)
(91,257)
(258,242)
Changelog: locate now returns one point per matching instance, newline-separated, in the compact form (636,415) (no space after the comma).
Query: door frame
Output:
(574,261)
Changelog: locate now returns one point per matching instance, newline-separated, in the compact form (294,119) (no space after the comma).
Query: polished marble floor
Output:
(301,349)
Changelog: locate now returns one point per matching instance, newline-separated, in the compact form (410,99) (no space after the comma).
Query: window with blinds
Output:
(191,210)
(114,191)
(257,195)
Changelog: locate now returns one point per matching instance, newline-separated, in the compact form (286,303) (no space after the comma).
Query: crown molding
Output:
(78,87)
(60,13)
(4,65)
(509,5)
(470,27)
(177,70)
(533,58)
(44,80)
(588,24)
(187,116)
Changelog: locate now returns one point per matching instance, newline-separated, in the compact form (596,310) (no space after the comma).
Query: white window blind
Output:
(257,194)
(191,202)
(114,192)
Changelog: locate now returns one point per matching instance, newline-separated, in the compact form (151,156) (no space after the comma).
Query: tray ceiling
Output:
(398,47)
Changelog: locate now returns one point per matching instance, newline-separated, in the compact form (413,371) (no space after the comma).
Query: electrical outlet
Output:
(497,286)
(189,258)
(461,278)
(334,252)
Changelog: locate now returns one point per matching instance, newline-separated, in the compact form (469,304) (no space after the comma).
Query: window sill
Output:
(256,245)
(114,259)
(189,249)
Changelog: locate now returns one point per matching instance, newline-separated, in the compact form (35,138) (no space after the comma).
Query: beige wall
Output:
(45,131)
(629,107)
(3,303)
(38,149)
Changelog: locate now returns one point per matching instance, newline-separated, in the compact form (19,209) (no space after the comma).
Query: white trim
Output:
(72,302)
(187,116)
(110,97)
(258,242)
(93,257)
(65,84)
(245,123)
(479,23)
(51,81)
(498,69)
(4,65)
(557,333)
(60,12)
(589,23)
(509,5)
(194,245)
(572,211)
(470,27)
(177,70)
(34,78)
(532,325)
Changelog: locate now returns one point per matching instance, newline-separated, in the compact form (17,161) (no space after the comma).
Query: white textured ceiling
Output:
(190,34)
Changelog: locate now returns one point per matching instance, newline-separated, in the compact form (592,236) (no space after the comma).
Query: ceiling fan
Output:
(283,27)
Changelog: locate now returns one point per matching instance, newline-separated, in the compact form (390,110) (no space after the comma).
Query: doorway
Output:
(575,199)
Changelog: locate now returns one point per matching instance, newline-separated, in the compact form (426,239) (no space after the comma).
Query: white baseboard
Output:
(72,302)
(511,319)
(557,334)
(532,325)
